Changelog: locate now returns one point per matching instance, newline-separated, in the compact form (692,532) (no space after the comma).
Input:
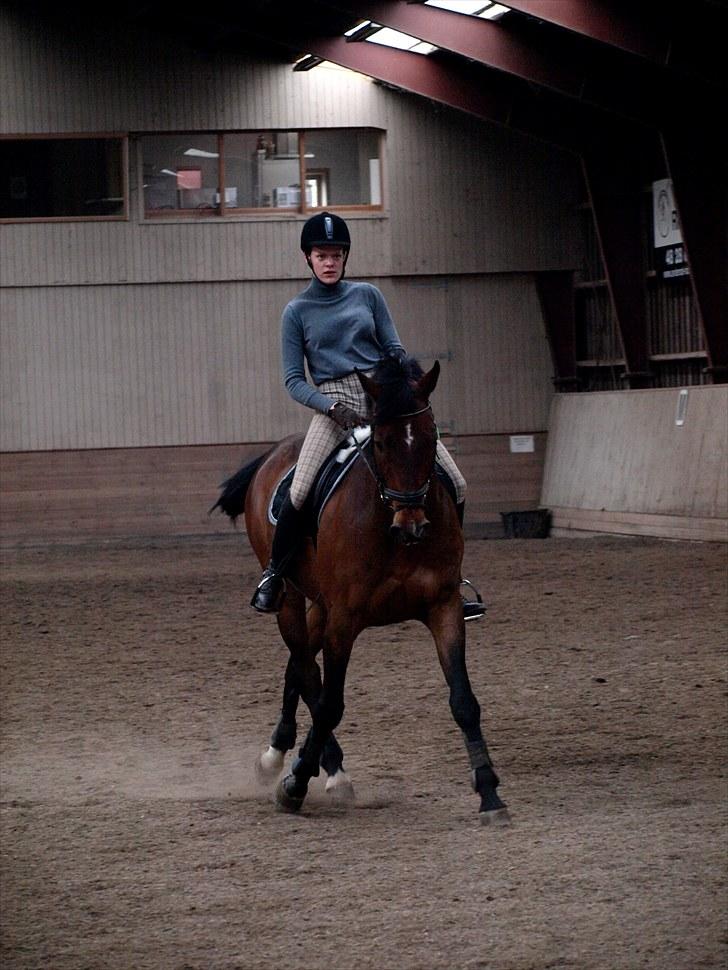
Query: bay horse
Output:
(388,549)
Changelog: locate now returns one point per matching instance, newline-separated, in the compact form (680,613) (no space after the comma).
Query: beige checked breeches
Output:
(324,434)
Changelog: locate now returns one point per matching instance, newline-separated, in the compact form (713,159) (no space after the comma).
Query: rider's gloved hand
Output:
(345,416)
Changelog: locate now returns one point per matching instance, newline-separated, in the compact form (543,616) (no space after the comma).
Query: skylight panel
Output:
(494,12)
(403,42)
(471,8)
(360,29)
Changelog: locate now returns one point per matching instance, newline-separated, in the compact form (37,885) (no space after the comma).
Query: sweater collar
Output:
(321,291)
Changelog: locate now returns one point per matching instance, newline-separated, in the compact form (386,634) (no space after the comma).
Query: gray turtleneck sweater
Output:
(334,329)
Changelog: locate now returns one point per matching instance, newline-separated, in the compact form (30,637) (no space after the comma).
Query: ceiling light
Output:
(199,153)
(423,48)
(468,7)
(387,37)
(393,38)
(494,12)
(472,8)
(306,62)
(361,31)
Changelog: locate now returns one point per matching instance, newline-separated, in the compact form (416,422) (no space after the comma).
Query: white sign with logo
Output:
(671,255)
(667,226)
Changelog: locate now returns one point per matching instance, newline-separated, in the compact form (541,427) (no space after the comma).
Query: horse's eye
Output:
(378,445)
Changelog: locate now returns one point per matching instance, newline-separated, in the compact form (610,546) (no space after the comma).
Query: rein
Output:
(389,496)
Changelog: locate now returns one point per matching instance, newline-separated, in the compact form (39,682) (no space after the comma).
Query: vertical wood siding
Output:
(131,366)
(488,333)
(95,367)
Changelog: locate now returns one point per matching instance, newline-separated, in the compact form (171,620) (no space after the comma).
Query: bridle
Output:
(410,500)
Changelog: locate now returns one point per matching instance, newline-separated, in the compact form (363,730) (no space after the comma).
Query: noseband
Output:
(409,500)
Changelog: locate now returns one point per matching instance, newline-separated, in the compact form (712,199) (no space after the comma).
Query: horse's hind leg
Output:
(448,628)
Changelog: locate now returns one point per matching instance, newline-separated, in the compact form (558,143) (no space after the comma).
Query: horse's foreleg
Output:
(327,714)
(338,784)
(270,762)
(302,633)
(292,627)
(448,629)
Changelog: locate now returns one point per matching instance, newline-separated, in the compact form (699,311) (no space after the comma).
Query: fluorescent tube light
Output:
(468,7)
(494,12)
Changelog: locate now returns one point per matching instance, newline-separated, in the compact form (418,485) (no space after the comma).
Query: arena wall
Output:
(643,462)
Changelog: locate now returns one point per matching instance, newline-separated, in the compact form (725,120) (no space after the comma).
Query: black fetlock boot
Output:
(472,609)
(271,590)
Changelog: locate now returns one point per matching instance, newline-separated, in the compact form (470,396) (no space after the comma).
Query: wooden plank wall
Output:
(137,366)
(618,462)
(71,496)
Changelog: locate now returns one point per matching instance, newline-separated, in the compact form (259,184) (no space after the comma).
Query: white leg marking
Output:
(338,779)
(340,789)
(271,760)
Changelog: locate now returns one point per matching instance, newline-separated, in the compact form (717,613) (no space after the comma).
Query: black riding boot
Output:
(271,590)
(472,609)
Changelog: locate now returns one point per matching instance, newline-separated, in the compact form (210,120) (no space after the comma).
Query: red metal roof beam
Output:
(479,40)
(603,21)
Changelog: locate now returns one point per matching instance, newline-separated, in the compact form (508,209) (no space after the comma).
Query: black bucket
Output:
(532,524)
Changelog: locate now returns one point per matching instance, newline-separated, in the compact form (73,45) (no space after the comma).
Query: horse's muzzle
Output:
(410,525)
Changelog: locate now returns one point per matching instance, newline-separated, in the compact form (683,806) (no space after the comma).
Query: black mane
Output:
(394,376)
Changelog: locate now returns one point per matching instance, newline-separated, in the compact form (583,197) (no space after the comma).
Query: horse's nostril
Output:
(394,530)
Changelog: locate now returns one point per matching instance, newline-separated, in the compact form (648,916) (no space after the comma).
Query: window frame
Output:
(245,213)
(121,137)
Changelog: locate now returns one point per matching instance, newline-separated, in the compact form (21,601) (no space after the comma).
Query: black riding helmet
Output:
(325,229)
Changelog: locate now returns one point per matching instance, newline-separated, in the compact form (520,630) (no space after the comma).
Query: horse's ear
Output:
(426,384)
(368,384)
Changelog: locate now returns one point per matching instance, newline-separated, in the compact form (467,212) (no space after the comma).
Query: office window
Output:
(62,178)
(181,173)
(343,168)
(261,171)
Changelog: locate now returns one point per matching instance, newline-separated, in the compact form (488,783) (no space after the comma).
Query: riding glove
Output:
(345,416)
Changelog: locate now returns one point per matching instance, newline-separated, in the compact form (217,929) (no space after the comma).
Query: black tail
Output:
(234,490)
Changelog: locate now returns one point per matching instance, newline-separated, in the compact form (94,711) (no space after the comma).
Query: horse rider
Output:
(335,327)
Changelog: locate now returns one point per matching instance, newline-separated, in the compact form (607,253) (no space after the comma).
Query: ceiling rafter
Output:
(479,40)
(608,80)
(603,21)
(688,38)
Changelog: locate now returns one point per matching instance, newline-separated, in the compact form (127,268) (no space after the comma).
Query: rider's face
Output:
(328,263)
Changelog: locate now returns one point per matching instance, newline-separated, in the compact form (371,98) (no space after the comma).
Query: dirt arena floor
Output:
(138,687)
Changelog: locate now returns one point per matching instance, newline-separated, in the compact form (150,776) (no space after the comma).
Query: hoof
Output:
(340,790)
(288,799)
(493,811)
(497,817)
(268,766)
